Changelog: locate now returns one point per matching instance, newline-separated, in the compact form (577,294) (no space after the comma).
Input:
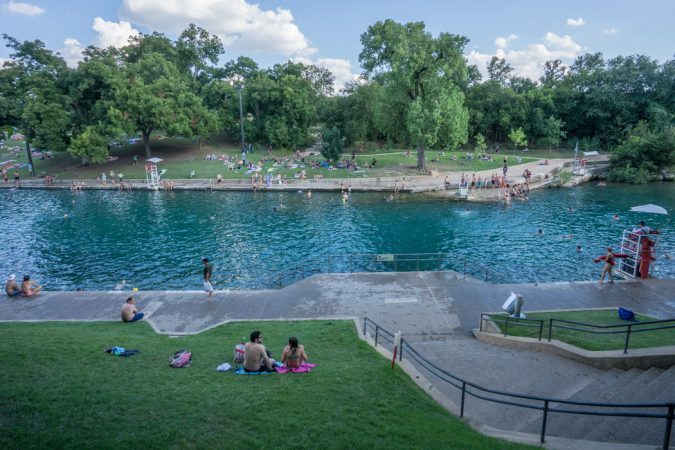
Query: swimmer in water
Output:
(616,217)
(540,232)
(65,216)
(578,248)
(309,194)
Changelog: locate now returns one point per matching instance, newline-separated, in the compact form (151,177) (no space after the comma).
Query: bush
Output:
(630,175)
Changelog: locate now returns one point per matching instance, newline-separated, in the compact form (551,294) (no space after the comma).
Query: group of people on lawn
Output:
(256,357)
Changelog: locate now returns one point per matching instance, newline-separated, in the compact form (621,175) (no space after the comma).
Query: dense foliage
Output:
(416,91)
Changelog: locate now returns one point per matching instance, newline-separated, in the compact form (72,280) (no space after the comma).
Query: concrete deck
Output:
(436,312)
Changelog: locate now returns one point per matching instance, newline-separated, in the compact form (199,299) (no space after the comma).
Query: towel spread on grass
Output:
(241,371)
(121,351)
(304,367)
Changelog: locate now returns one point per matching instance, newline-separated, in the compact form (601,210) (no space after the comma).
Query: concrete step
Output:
(618,429)
(621,392)
(505,370)
(560,424)
(667,395)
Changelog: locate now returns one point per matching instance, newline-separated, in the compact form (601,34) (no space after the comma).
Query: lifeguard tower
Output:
(639,249)
(152,176)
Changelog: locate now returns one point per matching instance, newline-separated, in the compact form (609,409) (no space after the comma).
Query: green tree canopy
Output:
(423,76)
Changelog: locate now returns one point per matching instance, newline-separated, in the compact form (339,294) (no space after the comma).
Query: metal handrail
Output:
(398,261)
(463,385)
(551,324)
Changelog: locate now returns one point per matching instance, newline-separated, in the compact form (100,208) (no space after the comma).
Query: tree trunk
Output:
(421,162)
(146,141)
(30,158)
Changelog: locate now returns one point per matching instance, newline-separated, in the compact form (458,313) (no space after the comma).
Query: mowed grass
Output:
(593,341)
(182,156)
(60,390)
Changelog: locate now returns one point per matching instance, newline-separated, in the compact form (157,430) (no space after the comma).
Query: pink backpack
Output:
(239,352)
(182,358)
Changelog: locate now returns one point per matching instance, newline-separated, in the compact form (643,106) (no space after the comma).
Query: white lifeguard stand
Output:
(151,174)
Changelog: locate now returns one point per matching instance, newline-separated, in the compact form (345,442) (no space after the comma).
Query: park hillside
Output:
(417,92)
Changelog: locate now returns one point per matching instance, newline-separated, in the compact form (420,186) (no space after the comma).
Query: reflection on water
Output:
(155,240)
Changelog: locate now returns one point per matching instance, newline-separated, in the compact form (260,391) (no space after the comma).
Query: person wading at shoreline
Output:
(208,271)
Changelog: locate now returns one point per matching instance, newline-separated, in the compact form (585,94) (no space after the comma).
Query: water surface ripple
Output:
(155,240)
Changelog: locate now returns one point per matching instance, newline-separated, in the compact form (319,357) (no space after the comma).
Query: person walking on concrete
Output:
(208,271)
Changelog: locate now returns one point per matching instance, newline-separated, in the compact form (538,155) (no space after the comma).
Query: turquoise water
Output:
(155,240)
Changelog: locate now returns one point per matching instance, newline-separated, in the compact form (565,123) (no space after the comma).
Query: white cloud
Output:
(529,61)
(576,22)
(112,34)
(72,51)
(242,26)
(340,68)
(503,42)
(611,30)
(25,9)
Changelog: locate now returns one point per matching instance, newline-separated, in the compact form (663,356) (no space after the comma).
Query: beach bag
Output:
(626,314)
(182,358)
(239,352)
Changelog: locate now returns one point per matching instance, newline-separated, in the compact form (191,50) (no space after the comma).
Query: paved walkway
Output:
(436,311)
(407,183)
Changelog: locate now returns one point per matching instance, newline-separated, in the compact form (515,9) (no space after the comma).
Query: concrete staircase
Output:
(542,374)
(615,386)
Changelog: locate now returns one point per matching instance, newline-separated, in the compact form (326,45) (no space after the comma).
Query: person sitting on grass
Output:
(294,354)
(129,311)
(256,357)
(29,288)
(12,288)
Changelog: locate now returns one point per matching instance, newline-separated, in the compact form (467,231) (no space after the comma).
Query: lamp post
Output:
(238,81)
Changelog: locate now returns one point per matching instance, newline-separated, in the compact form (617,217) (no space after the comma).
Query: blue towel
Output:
(241,371)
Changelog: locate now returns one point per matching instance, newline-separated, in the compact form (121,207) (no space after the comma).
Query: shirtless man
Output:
(129,311)
(255,356)
(12,289)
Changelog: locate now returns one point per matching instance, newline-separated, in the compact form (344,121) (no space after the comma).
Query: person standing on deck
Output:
(208,271)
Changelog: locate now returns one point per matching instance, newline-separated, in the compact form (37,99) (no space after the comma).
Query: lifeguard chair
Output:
(640,251)
(152,176)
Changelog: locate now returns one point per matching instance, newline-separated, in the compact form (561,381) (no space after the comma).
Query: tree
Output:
(554,73)
(643,154)
(422,75)
(553,132)
(90,146)
(151,93)
(34,96)
(331,147)
(499,70)
(517,136)
(480,143)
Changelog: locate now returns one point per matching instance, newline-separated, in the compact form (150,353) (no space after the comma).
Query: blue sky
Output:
(525,32)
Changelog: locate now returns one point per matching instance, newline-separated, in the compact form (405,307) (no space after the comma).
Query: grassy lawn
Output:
(590,341)
(182,156)
(61,390)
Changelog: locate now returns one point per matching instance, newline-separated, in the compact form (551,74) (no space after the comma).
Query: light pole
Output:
(238,81)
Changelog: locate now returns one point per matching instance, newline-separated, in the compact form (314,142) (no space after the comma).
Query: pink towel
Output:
(304,367)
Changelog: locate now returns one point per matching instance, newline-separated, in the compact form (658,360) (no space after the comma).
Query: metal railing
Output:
(545,404)
(627,329)
(403,262)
